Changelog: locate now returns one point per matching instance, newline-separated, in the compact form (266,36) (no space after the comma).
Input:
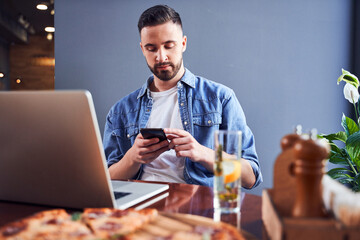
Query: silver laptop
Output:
(51,153)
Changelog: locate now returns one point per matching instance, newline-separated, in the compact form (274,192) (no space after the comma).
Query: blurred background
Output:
(27,44)
(281,57)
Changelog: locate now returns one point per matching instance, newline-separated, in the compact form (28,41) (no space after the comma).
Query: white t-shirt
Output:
(165,113)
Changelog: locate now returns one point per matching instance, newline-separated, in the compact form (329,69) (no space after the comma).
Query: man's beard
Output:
(166,75)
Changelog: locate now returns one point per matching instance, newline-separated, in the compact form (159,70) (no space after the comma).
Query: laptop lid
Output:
(51,151)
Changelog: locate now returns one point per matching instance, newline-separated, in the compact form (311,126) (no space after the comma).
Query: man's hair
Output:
(158,14)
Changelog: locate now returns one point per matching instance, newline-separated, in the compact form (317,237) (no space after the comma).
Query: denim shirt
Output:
(205,106)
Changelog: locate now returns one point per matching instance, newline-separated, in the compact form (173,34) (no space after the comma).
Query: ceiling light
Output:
(50,29)
(52,12)
(2,75)
(42,6)
(18,80)
(49,36)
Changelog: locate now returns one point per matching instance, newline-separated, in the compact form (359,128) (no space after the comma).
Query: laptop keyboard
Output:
(120,194)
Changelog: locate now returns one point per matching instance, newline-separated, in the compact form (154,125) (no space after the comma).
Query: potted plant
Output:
(348,155)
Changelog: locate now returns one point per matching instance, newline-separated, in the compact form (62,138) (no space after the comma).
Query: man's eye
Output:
(151,49)
(169,45)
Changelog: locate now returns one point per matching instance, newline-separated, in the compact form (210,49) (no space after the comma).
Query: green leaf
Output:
(349,125)
(348,176)
(357,178)
(356,162)
(338,173)
(344,124)
(358,107)
(348,77)
(341,136)
(338,158)
(356,188)
(346,181)
(338,155)
(356,183)
(333,148)
(353,147)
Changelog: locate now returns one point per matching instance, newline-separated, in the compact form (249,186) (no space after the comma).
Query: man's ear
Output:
(184,42)
(142,48)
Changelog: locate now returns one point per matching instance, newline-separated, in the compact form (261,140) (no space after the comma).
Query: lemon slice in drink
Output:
(231,170)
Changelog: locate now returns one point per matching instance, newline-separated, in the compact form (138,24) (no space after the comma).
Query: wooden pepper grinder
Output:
(283,193)
(309,168)
(288,141)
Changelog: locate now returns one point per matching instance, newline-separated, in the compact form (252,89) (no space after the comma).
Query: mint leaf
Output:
(76,216)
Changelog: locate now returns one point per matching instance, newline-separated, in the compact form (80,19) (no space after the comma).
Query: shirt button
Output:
(128,135)
(185,122)
(181,104)
(209,121)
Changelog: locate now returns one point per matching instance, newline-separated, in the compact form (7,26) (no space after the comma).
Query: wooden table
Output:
(183,198)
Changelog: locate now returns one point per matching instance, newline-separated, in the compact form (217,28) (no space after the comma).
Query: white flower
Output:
(351,93)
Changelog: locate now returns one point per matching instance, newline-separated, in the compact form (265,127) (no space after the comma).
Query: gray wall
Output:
(282,58)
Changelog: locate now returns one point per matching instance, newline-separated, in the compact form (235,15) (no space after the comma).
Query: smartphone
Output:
(153,133)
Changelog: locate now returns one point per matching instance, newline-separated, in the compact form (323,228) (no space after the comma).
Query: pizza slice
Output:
(52,224)
(106,223)
(180,227)
(222,232)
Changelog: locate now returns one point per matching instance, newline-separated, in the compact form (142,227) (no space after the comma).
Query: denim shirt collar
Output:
(188,78)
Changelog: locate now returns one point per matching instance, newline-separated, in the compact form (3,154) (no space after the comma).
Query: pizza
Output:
(103,223)
(220,232)
(107,223)
(53,224)
(114,224)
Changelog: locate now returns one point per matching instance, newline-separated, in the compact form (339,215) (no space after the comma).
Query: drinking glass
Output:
(227,171)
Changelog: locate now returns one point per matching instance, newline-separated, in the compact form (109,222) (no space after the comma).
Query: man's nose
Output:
(161,56)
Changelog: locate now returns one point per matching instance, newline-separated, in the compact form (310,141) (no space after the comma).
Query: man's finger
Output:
(171,136)
(181,148)
(175,131)
(184,153)
(149,157)
(148,142)
(154,147)
(181,141)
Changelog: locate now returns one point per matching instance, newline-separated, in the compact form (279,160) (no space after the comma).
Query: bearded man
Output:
(189,108)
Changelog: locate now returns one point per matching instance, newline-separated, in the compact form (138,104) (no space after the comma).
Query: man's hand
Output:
(185,145)
(143,151)
(147,150)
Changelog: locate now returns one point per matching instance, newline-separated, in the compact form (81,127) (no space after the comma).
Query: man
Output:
(190,108)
